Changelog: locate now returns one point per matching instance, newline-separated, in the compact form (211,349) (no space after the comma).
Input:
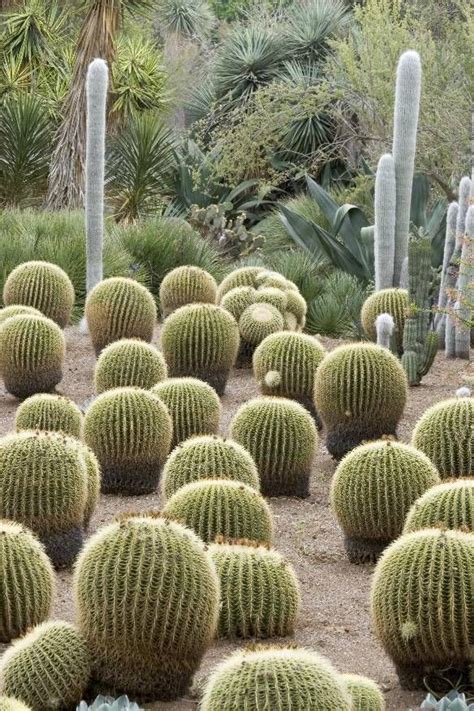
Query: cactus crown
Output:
(238,299)
(49,412)
(448,505)
(365,694)
(187,285)
(9,704)
(129,362)
(15,310)
(258,321)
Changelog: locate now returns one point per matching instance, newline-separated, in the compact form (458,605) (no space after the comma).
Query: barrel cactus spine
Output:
(238,299)
(129,362)
(186,285)
(245,276)
(53,413)
(365,693)
(391,301)
(448,505)
(92,467)
(15,310)
(9,704)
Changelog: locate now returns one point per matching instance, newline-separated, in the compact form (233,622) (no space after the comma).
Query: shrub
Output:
(129,363)
(386,301)
(448,505)
(53,413)
(187,285)
(365,694)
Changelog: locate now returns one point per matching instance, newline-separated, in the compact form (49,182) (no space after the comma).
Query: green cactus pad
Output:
(130,431)
(53,413)
(129,363)
(258,321)
(445,433)
(448,505)
(372,491)
(297,306)
(202,341)
(423,604)
(194,407)
(32,352)
(93,481)
(386,301)
(48,668)
(42,286)
(237,300)
(208,457)
(275,678)
(282,439)
(10,311)
(365,694)
(225,508)
(26,581)
(147,596)
(259,590)
(272,295)
(187,285)
(119,308)
(245,276)
(9,704)
(360,393)
(43,485)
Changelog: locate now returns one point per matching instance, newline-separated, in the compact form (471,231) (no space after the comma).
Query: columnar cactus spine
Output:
(385,210)
(384,325)
(449,245)
(9,704)
(464,305)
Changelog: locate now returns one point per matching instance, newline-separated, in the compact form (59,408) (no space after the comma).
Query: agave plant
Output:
(106,703)
(454,701)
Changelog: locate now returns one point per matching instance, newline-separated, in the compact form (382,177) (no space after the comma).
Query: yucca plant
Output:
(34,30)
(312,23)
(187,18)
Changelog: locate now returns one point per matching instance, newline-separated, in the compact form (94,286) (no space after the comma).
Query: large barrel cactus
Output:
(54,413)
(16,310)
(129,363)
(258,321)
(147,596)
(386,301)
(93,481)
(448,505)
(365,694)
(245,276)
(187,285)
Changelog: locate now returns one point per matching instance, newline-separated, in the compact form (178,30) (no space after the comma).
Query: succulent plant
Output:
(54,413)
(275,678)
(43,286)
(119,308)
(129,430)
(47,668)
(259,321)
(272,295)
(445,433)
(245,276)
(296,305)
(365,694)
(276,280)
(282,439)
(187,285)
(148,626)
(372,491)
(129,363)
(219,507)
(259,590)
(202,341)
(32,352)
(26,581)
(448,505)
(93,481)
(390,301)
(43,485)
(208,457)
(423,604)
(360,393)
(385,219)
(237,300)
(16,310)
(454,701)
(106,703)
(9,704)
(194,407)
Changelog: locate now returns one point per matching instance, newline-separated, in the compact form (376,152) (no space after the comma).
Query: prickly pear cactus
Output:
(448,505)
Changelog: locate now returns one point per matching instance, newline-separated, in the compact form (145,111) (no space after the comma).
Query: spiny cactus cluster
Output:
(282,439)
(208,457)
(54,413)
(130,431)
(365,694)
(194,407)
(386,301)
(129,363)
(42,286)
(245,276)
(372,491)
(147,597)
(448,505)
(186,285)
(360,393)
(15,310)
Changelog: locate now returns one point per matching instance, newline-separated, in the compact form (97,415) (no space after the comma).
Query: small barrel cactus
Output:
(43,484)
(272,295)
(258,321)
(245,276)
(423,618)
(187,285)
(365,694)
(208,457)
(15,310)
(360,393)
(386,301)
(194,407)
(26,581)
(445,433)
(372,491)
(49,668)
(9,704)
(285,364)
(448,505)
(454,701)
(93,481)
(266,279)
(32,352)
(129,430)
(129,363)
(275,678)
(213,507)
(259,590)
(119,308)
(282,439)
(148,602)
(202,341)
(43,286)
(106,703)
(296,305)
(54,413)
(237,300)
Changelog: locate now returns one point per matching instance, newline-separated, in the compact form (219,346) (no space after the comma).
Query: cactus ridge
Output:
(365,694)
(258,321)
(129,363)
(272,295)
(448,505)
(53,413)
(16,310)
(245,276)
(187,285)
(390,301)
(237,300)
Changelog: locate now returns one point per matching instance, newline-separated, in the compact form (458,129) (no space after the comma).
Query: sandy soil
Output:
(335,616)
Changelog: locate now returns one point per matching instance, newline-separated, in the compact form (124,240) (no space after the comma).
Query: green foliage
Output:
(186,285)
(232,236)
(365,694)
(449,505)
(336,310)
(129,362)
(14,310)
(9,704)
(54,413)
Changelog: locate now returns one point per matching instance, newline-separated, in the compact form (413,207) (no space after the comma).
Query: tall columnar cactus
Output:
(49,668)
(385,327)
(43,484)
(26,581)
(425,621)
(282,438)
(208,457)
(43,286)
(129,430)
(245,276)
(449,246)
(32,350)
(385,220)
(448,505)
(148,627)
(53,413)
(372,491)
(258,321)
(386,301)
(259,590)
(365,694)
(129,362)
(360,393)
(275,678)
(14,310)
(464,306)
(202,341)
(9,704)
(119,308)
(187,285)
